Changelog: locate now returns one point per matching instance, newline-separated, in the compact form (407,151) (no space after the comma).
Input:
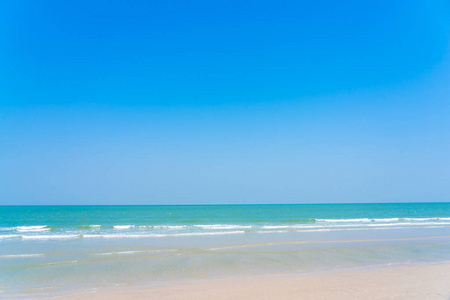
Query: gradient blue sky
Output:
(193,102)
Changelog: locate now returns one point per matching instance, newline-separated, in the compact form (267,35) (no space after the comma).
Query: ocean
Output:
(46,251)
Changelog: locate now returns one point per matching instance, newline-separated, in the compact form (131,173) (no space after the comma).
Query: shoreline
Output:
(412,281)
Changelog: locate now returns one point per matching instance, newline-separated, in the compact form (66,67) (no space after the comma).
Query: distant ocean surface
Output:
(50,250)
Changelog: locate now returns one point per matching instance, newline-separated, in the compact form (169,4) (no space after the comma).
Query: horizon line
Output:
(230,204)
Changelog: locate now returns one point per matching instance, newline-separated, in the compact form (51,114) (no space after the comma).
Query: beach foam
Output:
(50,236)
(344,220)
(122,227)
(32,228)
(222,226)
(141,231)
(132,252)
(22,255)
(9,236)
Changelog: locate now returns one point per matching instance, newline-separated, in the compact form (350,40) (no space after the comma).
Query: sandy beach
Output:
(415,281)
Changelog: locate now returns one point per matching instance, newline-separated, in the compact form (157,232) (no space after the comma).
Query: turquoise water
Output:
(50,250)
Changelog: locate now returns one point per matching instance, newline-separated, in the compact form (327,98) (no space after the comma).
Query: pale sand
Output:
(419,281)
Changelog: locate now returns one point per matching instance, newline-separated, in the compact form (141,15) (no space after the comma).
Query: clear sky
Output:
(193,102)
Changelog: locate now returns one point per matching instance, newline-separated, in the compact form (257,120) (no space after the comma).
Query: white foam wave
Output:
(344,220)
(275,227)
(50,236)
(354,226)
(412,224)
(114,253)
(316,230)
(22,255)
(360,225)
(405,219)
(209,233)
(160,235)
(366,220)
(61,263)
(295,226)
(128,252)
(222,226)
(426,219)
(132,252)
(273,231)
(112,236)
(32,228)
(9,236)
(122,227)
(169,227)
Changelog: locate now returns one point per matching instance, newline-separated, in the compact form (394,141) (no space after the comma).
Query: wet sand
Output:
(415,281)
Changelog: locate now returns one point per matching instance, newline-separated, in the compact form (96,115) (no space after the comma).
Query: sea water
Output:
(47,251)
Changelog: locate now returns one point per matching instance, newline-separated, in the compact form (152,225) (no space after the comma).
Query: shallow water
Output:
(49,250)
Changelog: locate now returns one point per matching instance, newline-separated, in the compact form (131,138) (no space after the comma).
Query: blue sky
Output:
(192,102)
